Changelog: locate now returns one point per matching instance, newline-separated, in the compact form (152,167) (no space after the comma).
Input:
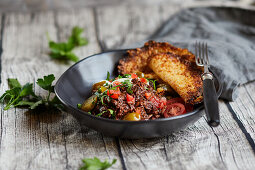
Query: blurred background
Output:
(44,5)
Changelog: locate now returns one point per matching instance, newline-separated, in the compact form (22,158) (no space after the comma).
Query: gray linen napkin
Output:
(230,34)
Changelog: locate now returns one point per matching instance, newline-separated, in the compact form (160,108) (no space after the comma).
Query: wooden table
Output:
(55,141)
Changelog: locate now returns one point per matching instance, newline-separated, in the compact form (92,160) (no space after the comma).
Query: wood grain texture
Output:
(131,24)
(46,5)
(44,140)
(56,141)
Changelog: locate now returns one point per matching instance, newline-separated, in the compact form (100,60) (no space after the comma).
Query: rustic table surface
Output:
(55,140)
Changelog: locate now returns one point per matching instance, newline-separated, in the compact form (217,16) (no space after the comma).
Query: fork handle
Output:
(210,100)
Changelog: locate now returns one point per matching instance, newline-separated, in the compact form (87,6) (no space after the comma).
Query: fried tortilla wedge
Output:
(180,73)
(137,59)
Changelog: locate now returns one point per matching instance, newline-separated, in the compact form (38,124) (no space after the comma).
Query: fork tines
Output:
(201,54)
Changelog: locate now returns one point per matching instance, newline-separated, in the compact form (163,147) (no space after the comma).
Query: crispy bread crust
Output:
(137,59)
(182,75)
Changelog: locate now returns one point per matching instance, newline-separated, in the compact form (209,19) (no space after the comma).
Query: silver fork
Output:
(209,92)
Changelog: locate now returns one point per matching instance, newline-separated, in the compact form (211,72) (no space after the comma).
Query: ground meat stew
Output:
(132,98)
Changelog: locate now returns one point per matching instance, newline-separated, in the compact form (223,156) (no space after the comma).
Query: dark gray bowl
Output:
(74,86)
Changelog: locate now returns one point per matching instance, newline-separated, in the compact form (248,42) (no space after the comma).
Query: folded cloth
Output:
(230,35)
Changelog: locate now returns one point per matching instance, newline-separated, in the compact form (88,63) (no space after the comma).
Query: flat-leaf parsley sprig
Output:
(63,50)
(96,164)
(24,96)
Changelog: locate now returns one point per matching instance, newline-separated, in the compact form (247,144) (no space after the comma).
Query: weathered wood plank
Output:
(44,140)
(55,141)
(243,111)
(131,24)
(43,5)
(22,136)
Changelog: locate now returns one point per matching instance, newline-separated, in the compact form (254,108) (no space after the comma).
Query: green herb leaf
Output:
(79,106)
(24,95)
(60,48)
(108,76)
(127,76)
(71,56)
(63,50)
(13,83)
(46,82)
(26,90)
(96,164)
(112,112)
(24,103)
(100,114)
(36,104)
(10,97)
(129,91)
(154,83)
(129,86)
(14,95)
(76,38)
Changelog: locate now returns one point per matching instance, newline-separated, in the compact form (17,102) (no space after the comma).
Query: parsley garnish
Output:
(154,83)
(100,114)
(127,75)
(19,95)
(129,85)
(76,38)
(96,164)
(101,96)
(112,112)
(102,99)
(79,106)
(108,76)
(63,50)
(108,110)
(129,90)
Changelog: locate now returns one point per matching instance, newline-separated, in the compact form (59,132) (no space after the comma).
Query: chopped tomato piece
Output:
(133,76)
(147,95)
(188,107)
(156,101)
(130,99)
(143,80)
(116,83)
(174,109)
(114,93)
